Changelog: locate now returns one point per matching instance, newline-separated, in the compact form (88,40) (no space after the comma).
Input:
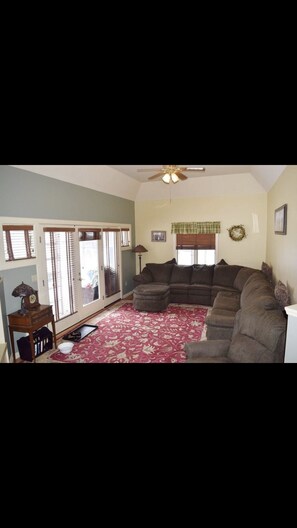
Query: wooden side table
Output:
(30,322)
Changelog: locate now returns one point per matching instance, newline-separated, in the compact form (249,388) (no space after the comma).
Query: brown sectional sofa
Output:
(249,328)
(196,284)
(246,323)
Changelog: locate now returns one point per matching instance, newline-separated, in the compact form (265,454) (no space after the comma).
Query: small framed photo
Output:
(158,236)
(280,220)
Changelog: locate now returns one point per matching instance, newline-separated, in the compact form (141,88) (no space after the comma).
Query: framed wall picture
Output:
(158,236)
(280,220)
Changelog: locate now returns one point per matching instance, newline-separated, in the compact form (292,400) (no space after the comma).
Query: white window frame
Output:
(19,263)
(216,248)
(125,227)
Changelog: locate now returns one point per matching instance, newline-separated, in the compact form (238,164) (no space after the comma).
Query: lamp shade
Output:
(139,249)
(22,290)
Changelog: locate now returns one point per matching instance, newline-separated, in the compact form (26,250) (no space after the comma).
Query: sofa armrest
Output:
(142,278)
(212,348)
(145,277)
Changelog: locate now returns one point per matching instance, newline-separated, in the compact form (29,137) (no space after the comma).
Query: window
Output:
(125,237)
(18,242)
(195,249)
(60,262)
(110,255)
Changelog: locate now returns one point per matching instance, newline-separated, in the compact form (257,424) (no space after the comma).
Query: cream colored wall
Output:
(282,249)
(249,210)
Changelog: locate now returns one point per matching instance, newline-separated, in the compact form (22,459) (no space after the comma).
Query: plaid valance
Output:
(185,228)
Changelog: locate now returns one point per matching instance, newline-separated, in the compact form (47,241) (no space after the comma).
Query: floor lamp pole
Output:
(139,256)
(139,250)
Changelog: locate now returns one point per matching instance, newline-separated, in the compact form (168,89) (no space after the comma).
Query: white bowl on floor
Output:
(65,348)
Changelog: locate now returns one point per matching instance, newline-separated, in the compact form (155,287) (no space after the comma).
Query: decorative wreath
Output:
(237,232)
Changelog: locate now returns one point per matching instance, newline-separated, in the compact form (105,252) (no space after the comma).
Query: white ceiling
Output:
(266,175)
(210,170)
(125,180)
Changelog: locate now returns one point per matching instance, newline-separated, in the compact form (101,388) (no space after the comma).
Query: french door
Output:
(83,271)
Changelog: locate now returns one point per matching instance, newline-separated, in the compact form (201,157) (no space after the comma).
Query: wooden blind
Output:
(60,258)
(18,242)
(59,229)
(89,234)
(195,241)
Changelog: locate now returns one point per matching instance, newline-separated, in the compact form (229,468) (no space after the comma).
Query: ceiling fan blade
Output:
(181,175)
(156,176)
(201,169)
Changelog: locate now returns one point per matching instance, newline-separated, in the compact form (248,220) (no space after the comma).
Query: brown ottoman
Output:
(151,297)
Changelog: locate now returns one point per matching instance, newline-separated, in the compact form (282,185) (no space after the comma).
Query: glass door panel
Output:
(111,265)
(90,255)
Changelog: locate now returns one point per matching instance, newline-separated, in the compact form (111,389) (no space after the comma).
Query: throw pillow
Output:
(282,294)
(267,270)
(222,262)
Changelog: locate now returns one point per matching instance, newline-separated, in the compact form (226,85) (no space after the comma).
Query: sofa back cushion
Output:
(181,274)
(202,274)
(241,278)
(224,275)
(258,292)
(160,272)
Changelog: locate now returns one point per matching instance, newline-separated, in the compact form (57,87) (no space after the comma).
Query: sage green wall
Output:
(30,195)
(282,249)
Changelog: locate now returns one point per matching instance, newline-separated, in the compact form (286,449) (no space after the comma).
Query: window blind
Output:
(195,241)
(60,260)
(18,242)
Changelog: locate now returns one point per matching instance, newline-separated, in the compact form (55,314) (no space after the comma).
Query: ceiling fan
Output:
(171,173)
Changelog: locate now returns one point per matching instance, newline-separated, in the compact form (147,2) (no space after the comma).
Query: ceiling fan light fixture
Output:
(174,177)
(166,178)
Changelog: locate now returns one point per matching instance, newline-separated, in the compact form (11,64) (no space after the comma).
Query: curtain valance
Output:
(185,228)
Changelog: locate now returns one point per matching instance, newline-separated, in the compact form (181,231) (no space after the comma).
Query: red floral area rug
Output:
(129,336)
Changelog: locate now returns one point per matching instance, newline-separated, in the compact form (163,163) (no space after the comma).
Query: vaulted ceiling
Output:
(266,175)
(125,180)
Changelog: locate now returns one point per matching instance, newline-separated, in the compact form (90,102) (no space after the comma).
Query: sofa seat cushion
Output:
(221,318)
(181,274)
(178,286)
(221,359)
(216,289)
(151,290)
(227,301)
(199,288)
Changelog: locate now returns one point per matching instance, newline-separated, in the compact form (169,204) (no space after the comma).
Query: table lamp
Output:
(22,290)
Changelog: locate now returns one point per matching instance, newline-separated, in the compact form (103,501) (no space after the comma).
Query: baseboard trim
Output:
(127,294)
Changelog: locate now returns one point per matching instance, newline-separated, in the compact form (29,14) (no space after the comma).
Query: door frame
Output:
(42,279)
